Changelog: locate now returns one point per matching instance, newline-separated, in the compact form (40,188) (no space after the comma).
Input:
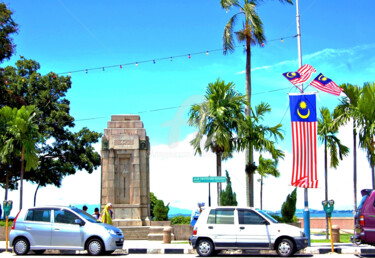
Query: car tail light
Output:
(195,231)
(362,220)
(14,221)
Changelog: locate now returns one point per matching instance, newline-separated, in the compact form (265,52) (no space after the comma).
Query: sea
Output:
(174,211)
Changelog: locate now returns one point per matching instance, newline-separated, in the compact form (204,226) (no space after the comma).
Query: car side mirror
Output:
(79,222)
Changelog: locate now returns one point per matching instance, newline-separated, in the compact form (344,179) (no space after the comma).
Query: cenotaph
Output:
(125,171)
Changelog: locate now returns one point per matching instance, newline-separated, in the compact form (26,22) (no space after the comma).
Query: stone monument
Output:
(125,171)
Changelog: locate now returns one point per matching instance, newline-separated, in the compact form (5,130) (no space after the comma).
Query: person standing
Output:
(106,214)
(96,213)
(84,208)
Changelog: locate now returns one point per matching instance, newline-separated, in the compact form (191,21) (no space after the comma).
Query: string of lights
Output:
(171,58)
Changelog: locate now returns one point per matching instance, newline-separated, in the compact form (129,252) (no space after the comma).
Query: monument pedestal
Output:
(125,171)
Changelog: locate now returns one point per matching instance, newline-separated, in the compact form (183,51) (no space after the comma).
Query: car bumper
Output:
(301,242)
(114,243)
(193,241)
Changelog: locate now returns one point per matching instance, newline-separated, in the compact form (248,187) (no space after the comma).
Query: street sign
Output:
(210,179)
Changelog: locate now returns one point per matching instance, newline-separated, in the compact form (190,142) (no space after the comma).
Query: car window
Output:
(65,216)
(218,216)
(39,215)
(249,217)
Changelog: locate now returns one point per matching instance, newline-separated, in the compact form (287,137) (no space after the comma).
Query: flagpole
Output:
(306,212)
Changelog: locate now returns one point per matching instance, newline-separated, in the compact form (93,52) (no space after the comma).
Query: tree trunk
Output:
(355,166)
(249,152)
(36,191)
(326,181)
(218,173)
(21,177)
(261,192)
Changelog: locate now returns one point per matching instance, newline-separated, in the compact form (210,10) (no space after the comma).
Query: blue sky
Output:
(66,36)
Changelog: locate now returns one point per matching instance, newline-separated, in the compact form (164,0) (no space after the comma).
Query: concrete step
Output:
(135,233)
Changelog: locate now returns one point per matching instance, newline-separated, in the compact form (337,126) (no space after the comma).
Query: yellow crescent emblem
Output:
(291,75)
(322,78)
(303,106)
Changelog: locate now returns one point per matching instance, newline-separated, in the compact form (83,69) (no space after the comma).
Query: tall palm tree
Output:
(327,130)
(251,33)
(22,136)
(367,133)
(254,133)
(265,168)
(346,111)
(218,118)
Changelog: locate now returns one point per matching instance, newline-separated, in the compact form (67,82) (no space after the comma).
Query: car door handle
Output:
(28,228)
(210,227)
(242,227)
(57,229)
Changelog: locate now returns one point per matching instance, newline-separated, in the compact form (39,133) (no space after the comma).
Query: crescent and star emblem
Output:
(303,105)
(322,78)
(291,75)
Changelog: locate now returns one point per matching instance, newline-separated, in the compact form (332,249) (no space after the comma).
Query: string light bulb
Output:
(87,71)
(120,66)
(103,69)
(171,58)
(153,61)
(136,63)
(189,56)
(282,40)
(207,53)
(70,74)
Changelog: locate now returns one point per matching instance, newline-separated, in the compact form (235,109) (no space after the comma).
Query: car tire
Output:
(95,247)
(285,247)
(21,246)
(39,252)
(205,247)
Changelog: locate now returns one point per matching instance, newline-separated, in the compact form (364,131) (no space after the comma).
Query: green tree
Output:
(327,130)
(253,133)
(7,28)
(346,111)
(367,133)
(217,119)
(153,201)
(288,209)
(227,196)
(251,33)
(161,211)
(61,152)
(266,167)
(21,137)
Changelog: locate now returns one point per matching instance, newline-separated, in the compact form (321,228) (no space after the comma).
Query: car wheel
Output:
(205,247)
(21,246)
(39,252)
(285,247)
(95,247)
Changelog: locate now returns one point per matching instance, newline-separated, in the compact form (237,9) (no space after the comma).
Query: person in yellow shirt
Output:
(106,214)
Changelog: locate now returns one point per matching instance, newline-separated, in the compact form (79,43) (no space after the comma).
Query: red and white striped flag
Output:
(301,76)
(304,133)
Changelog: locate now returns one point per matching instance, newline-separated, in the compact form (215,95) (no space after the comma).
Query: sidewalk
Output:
(177,247)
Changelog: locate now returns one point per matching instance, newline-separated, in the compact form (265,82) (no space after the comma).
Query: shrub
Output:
(180,220)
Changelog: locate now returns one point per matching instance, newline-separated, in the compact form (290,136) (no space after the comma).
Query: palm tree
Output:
(253,133)
(22,136)
(346,111)
(266,167)
(251,33)
(327,128)
(366,136)
(217,118)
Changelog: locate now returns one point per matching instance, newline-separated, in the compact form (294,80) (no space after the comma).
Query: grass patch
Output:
(344,238)
(180,242)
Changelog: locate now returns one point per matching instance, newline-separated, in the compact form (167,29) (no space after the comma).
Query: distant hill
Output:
(174,211)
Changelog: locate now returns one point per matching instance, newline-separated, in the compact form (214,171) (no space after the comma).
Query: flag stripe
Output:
(304,154)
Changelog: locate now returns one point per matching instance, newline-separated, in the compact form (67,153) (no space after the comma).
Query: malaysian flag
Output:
(304,133)
(301,76)
(325,84)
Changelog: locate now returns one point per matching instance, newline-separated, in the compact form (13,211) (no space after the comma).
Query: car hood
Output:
(287,229)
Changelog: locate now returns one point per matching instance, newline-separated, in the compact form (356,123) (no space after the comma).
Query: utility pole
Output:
(306,211)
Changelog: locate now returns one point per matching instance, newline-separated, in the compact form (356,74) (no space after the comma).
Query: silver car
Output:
(62,228)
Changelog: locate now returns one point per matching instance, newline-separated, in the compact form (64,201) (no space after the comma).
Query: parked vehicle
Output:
(364,219)
(62,228)
(224,228)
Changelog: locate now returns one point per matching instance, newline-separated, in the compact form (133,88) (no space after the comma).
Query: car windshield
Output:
(265,214)
(85,215)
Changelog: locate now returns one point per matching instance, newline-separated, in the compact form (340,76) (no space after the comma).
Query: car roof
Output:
(52,207)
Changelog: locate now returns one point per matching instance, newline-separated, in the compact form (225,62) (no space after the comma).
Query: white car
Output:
(223,228)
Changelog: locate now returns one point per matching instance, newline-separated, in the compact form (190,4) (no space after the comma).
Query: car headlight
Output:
(302,234)
(111,232)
